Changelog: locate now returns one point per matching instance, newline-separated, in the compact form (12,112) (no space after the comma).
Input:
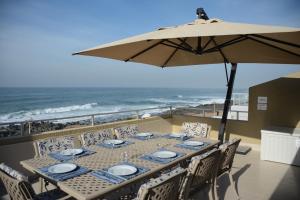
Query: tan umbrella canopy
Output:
(207,41)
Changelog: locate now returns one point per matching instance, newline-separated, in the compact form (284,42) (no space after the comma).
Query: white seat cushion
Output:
(195,129)
(13,173)
(92,138)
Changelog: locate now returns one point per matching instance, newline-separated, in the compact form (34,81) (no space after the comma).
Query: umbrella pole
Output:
(227,102)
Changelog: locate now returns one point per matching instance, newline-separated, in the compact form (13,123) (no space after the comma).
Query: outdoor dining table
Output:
(87,186)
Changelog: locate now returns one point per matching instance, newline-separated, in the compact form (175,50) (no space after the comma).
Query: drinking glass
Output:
(124,156)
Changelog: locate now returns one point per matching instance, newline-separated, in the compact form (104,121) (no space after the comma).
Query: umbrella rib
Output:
(275,40)
(220,50)
(186,44)
(143,51)
(177,47)
(171,56)
(230,42)
(207,43)
(273,46)
(180,46)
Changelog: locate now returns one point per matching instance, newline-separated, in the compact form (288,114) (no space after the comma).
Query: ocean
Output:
(19,104)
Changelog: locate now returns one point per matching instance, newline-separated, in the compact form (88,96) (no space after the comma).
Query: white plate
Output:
(62,168)
(115,142)
(144,134)
(71,152)
(164,154)
(122,170)
(193,143)
(177,135)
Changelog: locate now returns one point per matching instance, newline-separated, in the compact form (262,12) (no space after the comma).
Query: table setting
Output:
(192,144)
(114,143)
(178,136)
(120,172)
(162,156)
(70,154)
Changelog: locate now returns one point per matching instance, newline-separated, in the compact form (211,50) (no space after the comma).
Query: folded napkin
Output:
(110,146)
(182,145)
(62,158)
(64,176)
(178,138)
(150,157)
(105,175)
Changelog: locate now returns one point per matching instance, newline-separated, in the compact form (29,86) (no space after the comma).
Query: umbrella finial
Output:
(201,14)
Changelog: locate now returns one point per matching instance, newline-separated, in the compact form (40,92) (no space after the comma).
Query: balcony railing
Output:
(88,119)
(35,126)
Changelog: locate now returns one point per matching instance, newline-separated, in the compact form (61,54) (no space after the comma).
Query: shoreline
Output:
(44,126)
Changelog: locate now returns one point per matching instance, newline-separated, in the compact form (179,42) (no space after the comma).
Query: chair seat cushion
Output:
(13,173)
(49,145)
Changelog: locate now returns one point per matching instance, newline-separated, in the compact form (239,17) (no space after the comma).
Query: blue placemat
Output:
(161,160)
(61,177)
(110,146)
(103,174)
(63,158)
(182,145)
(177,138)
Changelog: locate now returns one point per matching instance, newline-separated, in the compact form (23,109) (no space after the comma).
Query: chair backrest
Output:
(16,189)
(126,131)
(165,187)
(201,170)
(92,138)
(228,151)
(196,129)
(48,145)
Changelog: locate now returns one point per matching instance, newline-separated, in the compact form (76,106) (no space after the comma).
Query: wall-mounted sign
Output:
(262,100)
(262,106)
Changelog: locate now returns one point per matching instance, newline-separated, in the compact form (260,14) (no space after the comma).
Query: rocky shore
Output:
(44,126)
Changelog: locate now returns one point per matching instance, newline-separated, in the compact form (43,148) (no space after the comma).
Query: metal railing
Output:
(90,116)
(26,127)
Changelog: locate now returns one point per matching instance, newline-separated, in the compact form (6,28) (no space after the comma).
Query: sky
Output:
(38,37)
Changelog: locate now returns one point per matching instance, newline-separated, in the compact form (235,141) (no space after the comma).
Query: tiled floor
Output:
(258,180)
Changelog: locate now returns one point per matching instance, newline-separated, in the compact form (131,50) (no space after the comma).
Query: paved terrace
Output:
(259,180)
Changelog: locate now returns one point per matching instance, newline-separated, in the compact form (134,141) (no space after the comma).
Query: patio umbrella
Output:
(207,41)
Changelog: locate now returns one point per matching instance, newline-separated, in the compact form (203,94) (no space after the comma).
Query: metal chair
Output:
(126,131)
(196,129)
(201,172)
(228,151)
(165,187)
(18,189)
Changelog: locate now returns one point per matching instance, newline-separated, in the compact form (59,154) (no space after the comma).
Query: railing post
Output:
(171,111)
(93,120)
(203,113)
(29,128)
(214,108)
(137,115)
(237,115)
(22,129)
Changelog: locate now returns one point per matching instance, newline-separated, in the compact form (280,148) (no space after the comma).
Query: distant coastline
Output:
(27,104)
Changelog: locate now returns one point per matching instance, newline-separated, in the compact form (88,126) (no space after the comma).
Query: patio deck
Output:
(259,180)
